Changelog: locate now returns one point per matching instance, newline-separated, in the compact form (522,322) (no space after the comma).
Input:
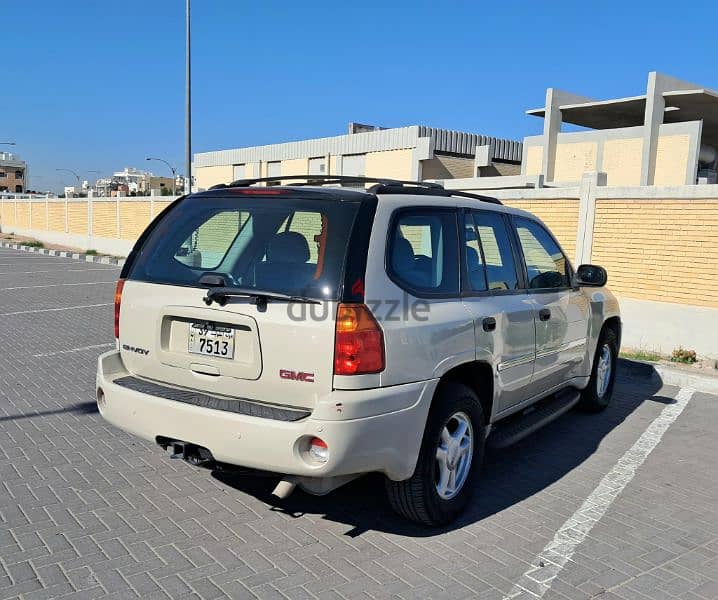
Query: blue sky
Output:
(93,85)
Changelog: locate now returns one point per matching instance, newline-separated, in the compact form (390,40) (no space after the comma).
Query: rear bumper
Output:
(386,437)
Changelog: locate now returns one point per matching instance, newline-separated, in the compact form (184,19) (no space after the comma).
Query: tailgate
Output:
(269,355)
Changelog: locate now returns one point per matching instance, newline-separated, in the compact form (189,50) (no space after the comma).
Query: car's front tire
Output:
(599,391)
(451,454)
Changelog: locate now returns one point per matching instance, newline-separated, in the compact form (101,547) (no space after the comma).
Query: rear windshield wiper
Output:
(259,297)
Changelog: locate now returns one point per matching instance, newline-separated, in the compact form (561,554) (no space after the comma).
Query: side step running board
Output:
(518,427)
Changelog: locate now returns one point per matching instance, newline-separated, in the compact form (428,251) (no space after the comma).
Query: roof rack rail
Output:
(396,189)
(381,185)
(328,180)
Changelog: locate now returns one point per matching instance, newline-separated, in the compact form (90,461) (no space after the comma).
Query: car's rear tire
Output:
(449,461)
(599,391)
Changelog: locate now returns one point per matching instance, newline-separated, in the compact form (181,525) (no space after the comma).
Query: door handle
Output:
(545,314)
(489,324)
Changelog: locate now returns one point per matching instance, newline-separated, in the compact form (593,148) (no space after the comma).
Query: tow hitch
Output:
(191,453)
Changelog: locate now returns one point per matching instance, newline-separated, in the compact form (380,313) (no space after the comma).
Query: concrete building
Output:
(667,136)
(134,181)
(13,173)
(411,153)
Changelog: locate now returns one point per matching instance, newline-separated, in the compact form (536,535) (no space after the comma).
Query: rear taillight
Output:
(118,302)
(358,341)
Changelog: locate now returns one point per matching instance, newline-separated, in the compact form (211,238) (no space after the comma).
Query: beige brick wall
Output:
(395,164)
(39,220)
(104,219)
(56,216)
(7,215)
(134,218)
(206,177)
(659,249)
(23,214)
(672,160)
(77,217)
(560,215)
(574,159)
(622,161)
(534,160)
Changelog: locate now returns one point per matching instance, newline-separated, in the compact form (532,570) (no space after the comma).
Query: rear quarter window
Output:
(423,252)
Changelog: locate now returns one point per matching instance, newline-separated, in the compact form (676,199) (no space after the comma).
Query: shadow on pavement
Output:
(509,476)
(84,408)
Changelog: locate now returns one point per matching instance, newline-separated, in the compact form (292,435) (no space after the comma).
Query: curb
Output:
(669,375)
(90,258)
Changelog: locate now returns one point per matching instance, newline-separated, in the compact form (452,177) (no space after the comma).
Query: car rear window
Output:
(292,246)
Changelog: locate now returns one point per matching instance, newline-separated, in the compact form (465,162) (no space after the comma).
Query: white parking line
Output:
(47,262)
(57,271)
(33,287)
(72,350)
(41,310)
(537,580)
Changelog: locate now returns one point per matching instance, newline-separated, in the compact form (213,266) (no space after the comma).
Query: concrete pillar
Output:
(653,118)
(117,217)
(553,120)
(551,129)
(89,217)
(587,215)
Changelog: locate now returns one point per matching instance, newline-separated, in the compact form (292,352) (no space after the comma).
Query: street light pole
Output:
(188,104)
(174,172)
(79,184)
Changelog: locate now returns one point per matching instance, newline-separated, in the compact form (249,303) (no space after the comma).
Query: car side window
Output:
(546,264)
(496,251)
(423,252)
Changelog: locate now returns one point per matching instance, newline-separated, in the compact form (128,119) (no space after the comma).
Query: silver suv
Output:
(322,331)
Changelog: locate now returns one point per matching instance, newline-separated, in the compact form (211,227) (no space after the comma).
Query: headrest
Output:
(288,246)
(402,256)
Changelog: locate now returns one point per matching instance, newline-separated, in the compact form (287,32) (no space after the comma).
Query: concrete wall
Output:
(397,164)
(533,158)
(619,154)
(108,225)
(206,177)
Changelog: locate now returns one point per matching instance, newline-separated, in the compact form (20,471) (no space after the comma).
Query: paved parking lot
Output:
(618,505)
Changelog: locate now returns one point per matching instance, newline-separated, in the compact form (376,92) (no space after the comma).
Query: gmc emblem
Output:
(296,375)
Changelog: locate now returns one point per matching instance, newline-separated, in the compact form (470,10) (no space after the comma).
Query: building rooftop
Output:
(443,140)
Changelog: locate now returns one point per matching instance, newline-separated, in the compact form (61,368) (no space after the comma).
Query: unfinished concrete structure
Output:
(667,136)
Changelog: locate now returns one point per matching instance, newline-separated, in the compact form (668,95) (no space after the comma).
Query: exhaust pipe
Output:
(284,488)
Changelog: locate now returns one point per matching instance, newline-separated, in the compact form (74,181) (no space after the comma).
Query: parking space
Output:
(87,511)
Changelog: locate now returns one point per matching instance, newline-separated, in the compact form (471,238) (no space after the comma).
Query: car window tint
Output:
(499,259)
(475,271)
(546,265)
(423,251)
(207,245)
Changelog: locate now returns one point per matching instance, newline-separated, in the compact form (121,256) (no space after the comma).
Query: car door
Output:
(560,312)
(502,310)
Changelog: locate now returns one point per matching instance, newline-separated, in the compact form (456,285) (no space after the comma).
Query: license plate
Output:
(211,340)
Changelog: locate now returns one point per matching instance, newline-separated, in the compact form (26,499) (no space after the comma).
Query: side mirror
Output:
(591,275)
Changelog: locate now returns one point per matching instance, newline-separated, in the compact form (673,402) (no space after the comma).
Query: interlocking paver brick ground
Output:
(87,511)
